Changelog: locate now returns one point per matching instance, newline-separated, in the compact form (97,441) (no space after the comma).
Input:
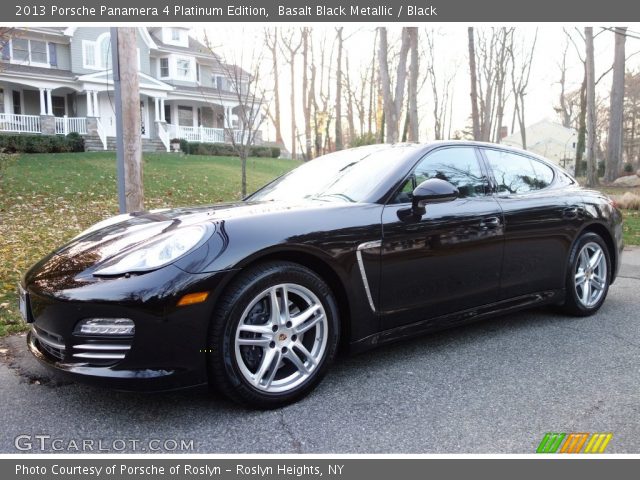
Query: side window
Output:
(458,166)
(518,174)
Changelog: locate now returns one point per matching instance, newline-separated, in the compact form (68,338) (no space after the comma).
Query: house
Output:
(59,80)
(549,139)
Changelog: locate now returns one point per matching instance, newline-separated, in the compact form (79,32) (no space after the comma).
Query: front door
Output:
(144,118)
(449,260)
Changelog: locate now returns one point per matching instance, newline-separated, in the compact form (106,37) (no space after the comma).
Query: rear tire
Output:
(274,333)
(588,276)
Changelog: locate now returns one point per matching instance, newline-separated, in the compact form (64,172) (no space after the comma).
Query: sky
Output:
(451,46)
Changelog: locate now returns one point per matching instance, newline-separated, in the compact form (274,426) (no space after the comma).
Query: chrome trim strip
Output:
(100,356)
(363,273)
(96,346)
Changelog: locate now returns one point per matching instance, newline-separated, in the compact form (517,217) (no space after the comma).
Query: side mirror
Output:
(433,190)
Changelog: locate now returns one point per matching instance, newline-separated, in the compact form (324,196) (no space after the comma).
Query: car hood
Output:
(124,232)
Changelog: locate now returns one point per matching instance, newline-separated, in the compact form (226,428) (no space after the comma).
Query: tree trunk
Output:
(475,116)
(592,168)
(273,48)
(582,125)
(412,110)
(393,103)
(306,97)
(293,105)
(131,125)
(339,145)
(616,111)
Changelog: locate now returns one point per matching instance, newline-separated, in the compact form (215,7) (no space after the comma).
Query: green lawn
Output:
(46,199)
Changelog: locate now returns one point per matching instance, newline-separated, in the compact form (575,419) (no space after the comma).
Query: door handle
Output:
(490,222)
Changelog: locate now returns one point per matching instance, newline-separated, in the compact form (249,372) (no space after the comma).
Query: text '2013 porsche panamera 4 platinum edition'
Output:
(356,248)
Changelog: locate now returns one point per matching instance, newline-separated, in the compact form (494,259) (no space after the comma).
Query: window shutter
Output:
(53,55)
(6,54)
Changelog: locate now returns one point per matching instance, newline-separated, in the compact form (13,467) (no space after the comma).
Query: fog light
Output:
(106,326)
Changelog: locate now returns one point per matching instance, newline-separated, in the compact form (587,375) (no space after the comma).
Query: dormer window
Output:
(97,55)
(176,36)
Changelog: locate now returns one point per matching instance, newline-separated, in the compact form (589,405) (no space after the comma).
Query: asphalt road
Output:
(491,387)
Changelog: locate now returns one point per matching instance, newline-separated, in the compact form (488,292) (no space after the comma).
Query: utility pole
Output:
(127,103)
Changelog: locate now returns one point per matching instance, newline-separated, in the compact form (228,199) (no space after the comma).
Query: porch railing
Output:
(101,133)
(163,135)
(10,122)
(66,125)
(203,134)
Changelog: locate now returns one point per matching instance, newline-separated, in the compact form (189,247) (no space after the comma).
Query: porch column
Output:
(49,106)
(89,104)
(162,115)
(43,105)
(156,108)
(95,104)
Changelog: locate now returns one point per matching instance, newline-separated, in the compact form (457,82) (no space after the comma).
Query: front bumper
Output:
(167,350)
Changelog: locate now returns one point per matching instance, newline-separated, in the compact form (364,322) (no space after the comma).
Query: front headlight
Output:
(155,253)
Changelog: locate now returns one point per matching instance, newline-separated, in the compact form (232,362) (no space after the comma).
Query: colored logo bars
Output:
(574,442)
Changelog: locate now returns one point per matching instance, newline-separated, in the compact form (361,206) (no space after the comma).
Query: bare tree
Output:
(291,44)
(520,73)
(271,41)
(592,172)
(441,85)
(473,71)
(414,71)
(616,109)
(567,101)
(491,60)
(307,89)
(245,86)
(392,102)
(339,145)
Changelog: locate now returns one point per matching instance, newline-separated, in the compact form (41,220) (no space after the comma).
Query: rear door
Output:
(540,222)
(448,260)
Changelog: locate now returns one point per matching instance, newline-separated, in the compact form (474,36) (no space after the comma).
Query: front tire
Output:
(588,276)
(274,333)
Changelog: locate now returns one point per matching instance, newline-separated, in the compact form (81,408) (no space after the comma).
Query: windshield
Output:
(348,175)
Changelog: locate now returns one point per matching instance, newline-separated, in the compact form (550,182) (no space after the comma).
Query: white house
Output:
(549,139)
(59,80)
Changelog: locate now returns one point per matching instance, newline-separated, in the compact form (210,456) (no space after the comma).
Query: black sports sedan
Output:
(356,248)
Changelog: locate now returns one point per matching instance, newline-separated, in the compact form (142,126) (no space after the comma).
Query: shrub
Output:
(226,150)
(75,142)
(628,168)
(366,139)
(41,143)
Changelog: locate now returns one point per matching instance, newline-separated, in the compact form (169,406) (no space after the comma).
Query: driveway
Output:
(491,387)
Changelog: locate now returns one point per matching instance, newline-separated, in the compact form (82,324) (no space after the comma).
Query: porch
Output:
(88,110)
(12,123)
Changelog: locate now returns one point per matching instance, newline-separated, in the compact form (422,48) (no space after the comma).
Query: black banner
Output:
(334,11)
(342,469)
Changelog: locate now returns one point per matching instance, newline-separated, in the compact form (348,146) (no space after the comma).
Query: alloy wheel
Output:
(590,276)
(281,338)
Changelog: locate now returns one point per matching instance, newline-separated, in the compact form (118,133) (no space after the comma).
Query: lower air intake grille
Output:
(51,343)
